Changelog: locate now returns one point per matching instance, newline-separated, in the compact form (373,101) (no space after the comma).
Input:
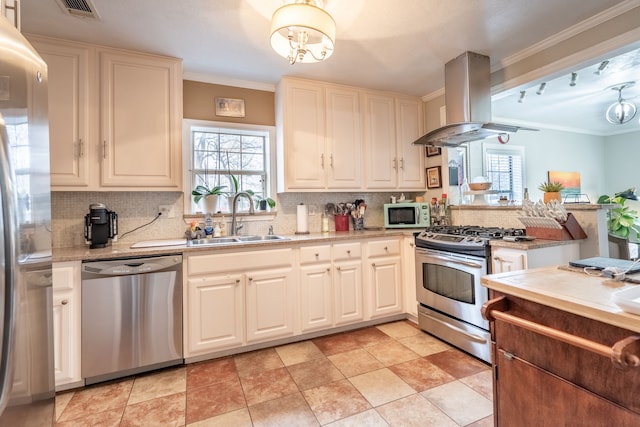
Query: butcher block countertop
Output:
(567,289)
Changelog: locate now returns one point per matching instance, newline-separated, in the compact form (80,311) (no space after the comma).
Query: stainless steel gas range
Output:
(449,263)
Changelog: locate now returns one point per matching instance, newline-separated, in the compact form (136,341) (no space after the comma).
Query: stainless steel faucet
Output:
(234,204)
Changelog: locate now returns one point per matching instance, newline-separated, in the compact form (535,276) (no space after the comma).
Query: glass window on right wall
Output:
(504,166)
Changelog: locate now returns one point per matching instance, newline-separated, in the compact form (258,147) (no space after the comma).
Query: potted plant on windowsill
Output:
(263,202)
(551,191)
(210,196)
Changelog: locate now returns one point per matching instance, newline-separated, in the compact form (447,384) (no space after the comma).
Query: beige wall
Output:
(198,103)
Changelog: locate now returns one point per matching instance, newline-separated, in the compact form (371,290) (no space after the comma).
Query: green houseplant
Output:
(551,190)
(622,219)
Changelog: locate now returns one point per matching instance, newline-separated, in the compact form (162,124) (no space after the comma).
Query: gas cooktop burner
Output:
(466,230)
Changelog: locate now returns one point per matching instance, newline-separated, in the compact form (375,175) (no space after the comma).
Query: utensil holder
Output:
(358,223)
(342,222)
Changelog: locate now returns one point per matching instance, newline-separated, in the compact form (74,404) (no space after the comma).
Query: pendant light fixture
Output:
(302,31)
(622,111)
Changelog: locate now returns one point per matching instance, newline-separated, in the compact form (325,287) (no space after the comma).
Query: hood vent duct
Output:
(80,8)
(467,86)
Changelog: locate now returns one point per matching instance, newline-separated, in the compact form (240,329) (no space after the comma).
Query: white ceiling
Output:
(400,46)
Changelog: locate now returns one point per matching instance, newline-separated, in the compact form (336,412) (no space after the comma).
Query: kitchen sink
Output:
(220,241)
(265,238)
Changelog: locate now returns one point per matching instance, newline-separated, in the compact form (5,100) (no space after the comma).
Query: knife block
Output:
(570,230)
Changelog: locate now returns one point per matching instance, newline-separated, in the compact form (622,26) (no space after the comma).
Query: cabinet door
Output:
(270,304)
(532,396)
(214,315)
(316,308)
(343,139)
(411,168)
(68,101)
(141,117)
(386,292)
(305,160)
(409,276)
(505,259)
(66,323)
(347,283)
(380,148)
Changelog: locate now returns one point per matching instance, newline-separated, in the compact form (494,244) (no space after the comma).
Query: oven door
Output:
(450,283)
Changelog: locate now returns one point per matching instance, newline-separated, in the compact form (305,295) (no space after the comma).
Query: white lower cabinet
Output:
(238,298)
(512,259)
(330,285)
(384,277)
(216,312)
(409,275)
(66,323)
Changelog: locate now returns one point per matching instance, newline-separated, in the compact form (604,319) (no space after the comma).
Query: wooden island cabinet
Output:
(554,363)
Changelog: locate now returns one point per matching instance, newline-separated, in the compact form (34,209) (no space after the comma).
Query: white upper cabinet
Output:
(319,142)
(342,138)
(69,116)
(115,118)
(140,122)
(392,123)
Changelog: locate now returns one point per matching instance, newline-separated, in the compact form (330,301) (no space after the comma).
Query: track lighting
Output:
(523,93)
(622,111)
(541,89)
(574,79)
(601,68)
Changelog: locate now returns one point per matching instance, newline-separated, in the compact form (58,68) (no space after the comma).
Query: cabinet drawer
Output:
(344,251)
(235,261)
(64,275)
(384,248)
(311,254)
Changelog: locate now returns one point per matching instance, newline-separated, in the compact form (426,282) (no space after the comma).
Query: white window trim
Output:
(187,153)
(504,149)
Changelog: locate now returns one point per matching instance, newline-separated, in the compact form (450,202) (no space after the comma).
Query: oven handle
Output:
(451,259)
(473,337)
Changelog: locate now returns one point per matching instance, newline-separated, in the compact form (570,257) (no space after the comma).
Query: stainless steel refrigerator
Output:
(26,353)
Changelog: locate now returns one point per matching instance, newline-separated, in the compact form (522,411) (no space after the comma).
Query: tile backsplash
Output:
(135,209)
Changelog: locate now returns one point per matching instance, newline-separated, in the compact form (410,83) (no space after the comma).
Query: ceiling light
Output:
(622,111)
(523,93)
(601,68)
(302,31)
(574,79)
(541,89)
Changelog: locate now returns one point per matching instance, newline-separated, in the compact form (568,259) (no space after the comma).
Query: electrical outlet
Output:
(167,211)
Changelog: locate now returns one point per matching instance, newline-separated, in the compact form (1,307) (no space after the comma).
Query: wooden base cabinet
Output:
(539,380)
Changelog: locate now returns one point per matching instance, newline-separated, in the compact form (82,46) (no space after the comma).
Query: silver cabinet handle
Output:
(104,149)
(395,163)
(80,148)
(322,160)
(402,163)
(331,160)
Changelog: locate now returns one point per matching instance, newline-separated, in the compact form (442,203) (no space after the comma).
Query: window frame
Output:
(499,149)
(187,154)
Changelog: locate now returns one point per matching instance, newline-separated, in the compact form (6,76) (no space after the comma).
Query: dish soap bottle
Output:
(325,222)
(208,226)
(216,230)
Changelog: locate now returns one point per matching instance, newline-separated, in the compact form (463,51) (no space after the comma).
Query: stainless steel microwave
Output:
(406,215)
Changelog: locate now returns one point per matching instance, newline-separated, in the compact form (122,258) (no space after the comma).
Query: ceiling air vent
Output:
(81,8)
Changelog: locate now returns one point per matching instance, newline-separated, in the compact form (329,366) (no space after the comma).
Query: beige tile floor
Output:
(388,375)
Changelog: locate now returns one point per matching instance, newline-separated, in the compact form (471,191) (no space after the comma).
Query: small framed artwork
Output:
(434,177)
(229,107)
(433,151)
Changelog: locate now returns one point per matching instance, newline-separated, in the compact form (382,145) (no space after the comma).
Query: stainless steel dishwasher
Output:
(131,316)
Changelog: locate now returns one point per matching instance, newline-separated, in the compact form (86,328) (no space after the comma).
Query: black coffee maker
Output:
(100,225)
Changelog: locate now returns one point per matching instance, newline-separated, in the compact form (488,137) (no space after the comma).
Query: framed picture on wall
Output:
(434,177)
(229,107)
(433,151)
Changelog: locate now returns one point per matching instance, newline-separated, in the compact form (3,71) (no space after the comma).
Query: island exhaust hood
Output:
(467,85)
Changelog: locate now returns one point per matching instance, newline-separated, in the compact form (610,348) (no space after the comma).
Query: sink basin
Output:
(265,238)
(219,241)
(211,242)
